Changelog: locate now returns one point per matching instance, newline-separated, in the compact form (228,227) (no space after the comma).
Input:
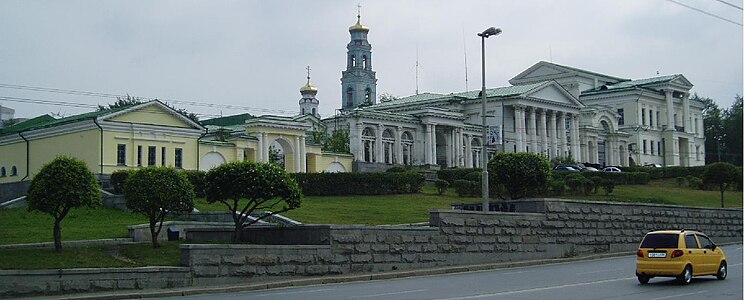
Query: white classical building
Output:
(550,109)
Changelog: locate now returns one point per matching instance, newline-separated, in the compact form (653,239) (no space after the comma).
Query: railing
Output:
(679,128)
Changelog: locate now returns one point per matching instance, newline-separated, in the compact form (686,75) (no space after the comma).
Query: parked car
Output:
(611,169)
(652,165)
(564,169)
(589,169)
(681,254)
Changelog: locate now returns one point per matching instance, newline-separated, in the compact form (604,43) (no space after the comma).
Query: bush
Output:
(681,181)
(558,187)
(198,180)
(118,178)
(588,186)
(441,185)
(696,183)
(721,175)
(397,169)
(344,184)
(575,181)
(521,173)
(467,188)
(597,183)
(608,185)
(450,175)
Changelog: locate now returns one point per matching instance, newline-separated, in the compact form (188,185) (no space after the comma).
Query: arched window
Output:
(303,111)
(2,171)
(407,145)
(367,96)
(368,142)
(605,126)
(353,61)
(388,146)
(349,97)
(13,171)
(314,111)
(364,61)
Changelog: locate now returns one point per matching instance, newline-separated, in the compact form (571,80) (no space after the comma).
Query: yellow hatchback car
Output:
(681,254)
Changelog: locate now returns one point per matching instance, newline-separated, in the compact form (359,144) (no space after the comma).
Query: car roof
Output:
(674,231)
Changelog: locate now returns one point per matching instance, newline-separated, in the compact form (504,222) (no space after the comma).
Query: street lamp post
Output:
(484,152)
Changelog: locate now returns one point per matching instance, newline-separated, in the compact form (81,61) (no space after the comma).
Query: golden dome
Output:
(308,87)
(358,26)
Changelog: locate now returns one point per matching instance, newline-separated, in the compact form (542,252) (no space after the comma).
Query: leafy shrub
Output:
(450,175)
(558,187)
(198,180)
(342,184)
(521,173)
(608,185)
(588,186)
(467,188)
(597,183)
(441,185)
(681,181)
(118,178)
(397,169)
(575,181)
(696,183)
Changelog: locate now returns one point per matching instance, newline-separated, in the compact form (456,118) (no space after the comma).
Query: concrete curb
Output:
(189,291)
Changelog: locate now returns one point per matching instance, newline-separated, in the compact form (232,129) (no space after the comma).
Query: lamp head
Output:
(490,31)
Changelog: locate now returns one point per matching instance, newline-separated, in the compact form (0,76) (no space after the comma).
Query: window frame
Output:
(121,154)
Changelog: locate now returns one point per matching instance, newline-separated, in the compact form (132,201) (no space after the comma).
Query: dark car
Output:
(564,169)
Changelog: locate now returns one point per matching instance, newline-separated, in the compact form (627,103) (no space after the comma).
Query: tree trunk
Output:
(154,235)
(57,235)
(236,234)
(722,196)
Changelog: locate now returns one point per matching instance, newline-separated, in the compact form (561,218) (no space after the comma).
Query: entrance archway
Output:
(211,160)
(281,153)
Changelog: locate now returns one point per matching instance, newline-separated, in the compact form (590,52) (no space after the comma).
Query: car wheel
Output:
(686,276)
(643,279)
(722,271)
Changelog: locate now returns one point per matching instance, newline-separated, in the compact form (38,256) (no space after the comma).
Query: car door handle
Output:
(705,252)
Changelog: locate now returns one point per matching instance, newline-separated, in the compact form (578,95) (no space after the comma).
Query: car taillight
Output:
(677,253)
(639,253)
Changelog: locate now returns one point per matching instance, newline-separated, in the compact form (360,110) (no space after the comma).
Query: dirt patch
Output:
(116,254)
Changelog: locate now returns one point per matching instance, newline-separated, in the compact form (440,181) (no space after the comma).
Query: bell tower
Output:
(308,103)
(358,81)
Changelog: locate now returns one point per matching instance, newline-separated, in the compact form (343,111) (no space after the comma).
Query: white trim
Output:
(151,103)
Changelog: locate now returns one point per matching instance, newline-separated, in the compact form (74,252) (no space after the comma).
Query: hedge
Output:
(343,184)
(450,175)
(622,178)
(667,172)
(117,180)
(198,180)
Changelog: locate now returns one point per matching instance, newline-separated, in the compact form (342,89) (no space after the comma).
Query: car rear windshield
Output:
(660,240)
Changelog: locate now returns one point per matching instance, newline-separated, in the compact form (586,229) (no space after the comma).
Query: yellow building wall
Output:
(83,145)
(13,155)
(135,138)
(321,162)
(152,115)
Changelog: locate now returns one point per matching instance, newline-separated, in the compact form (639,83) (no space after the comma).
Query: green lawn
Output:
(665,191)
(130,255)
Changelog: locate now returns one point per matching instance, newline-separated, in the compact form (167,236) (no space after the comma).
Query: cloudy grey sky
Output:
(253,54)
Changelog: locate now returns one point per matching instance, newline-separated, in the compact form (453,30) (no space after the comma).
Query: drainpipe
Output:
(99,127)
(28,155)
(197,147)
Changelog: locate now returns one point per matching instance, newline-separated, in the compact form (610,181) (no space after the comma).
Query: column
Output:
(359,142)
(562,131)
(433,144)
(533,131)
(259,153)
(557,133)
(303,157)
(468,152)
(297,154)
(670,110)
(551,129)
(427,144)
(266,146)
(519,127)
(379,154)
(398,148)
(575,138)
(543,132)
(450,143)
(686,113)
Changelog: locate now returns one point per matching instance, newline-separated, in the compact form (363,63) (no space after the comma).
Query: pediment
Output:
(553,92)
(682,81)
(152,113)
(540,72)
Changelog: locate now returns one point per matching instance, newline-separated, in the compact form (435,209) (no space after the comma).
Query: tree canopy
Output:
(722,175)
(723,131)
(246,186)
(520,173)
(61,185)
(156,192)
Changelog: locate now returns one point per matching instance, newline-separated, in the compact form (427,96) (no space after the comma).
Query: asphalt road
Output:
(612,278)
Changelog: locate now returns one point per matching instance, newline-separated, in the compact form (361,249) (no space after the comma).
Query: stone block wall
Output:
(18,283)
(540,229)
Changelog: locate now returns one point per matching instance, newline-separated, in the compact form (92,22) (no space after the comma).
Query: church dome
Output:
(308,88)
(358,26)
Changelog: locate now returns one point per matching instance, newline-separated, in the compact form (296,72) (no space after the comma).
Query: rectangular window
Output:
(651,119)
(652,147)
(657,118)
(643,116)
(658,148)
(644,147)
(121,154)
(179,158)
(621,120)
(162,156)
(696,125)
(151,152)
(139,155)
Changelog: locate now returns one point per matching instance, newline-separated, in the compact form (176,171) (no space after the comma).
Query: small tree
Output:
(721,174)
(521,173)
(260,186)
(442,186)
(61,185)
(156,192)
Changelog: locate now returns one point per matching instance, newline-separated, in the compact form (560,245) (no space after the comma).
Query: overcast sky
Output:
(253,54)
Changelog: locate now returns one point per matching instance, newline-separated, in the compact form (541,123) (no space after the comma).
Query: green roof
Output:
(506,91)
(631,84)
(228,121)
(48,121)
(589,72)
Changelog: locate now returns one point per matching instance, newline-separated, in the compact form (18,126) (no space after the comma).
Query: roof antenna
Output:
(657,72)
(417,69)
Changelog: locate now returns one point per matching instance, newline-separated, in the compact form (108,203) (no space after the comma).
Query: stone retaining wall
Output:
(16,283)
(555,228)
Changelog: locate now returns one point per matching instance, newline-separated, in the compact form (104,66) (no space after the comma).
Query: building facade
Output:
(549,109)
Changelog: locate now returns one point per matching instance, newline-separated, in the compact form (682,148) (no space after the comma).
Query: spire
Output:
(308,86)
(358,25)
(308,103)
